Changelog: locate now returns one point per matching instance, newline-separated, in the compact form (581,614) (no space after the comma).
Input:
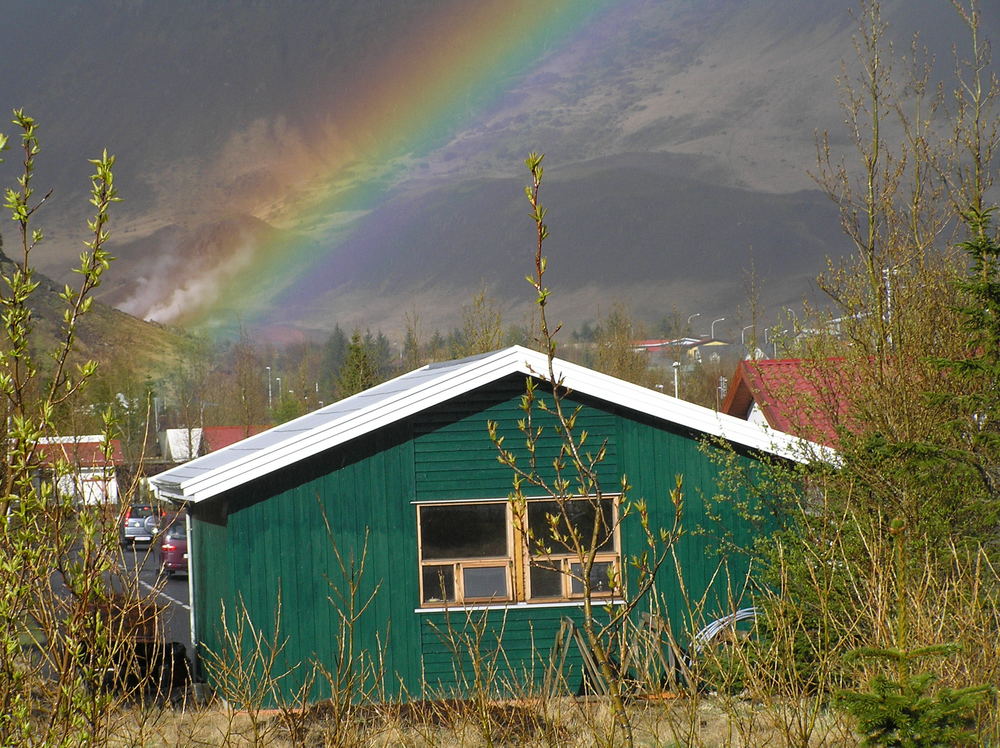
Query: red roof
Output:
(80,451)
(805,398)
(217,437)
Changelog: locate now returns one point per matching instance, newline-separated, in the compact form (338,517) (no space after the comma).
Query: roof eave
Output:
(477,373)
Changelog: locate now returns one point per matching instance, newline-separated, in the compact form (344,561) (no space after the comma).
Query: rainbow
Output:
(447,74)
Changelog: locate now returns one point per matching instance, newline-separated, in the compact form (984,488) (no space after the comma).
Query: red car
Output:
(173,548)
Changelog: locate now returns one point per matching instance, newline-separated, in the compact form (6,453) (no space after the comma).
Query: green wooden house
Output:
(399,489)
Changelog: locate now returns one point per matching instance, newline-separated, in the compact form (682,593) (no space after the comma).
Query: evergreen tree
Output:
(334,355)
(359,370)
(438,347)
(904,709)
(978,426)
(380,354)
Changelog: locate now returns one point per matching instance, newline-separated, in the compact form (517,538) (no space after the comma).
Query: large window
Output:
(479,552)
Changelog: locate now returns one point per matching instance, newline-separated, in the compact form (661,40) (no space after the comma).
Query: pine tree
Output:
(359,371)
(978,424)
(905,710)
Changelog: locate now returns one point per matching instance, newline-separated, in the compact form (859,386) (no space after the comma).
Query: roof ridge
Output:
(426,387)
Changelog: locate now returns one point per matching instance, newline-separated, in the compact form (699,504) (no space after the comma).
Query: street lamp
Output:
(677,367)
(691,317)
(743,332)
(268,387)
(774,343)
(711,333)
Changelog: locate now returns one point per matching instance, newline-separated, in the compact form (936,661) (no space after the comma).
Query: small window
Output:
(463,530)
(555,569)
(548,521)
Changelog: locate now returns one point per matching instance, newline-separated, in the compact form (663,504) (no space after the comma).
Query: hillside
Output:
(313,162)
(104,333)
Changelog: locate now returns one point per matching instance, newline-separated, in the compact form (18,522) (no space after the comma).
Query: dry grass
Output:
(698,721)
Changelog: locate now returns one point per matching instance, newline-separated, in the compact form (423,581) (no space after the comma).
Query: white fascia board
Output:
(687,414)
(351,426)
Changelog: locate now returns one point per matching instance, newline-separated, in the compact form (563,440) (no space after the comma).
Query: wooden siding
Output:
(514,647)
(276,541)
(456,460)
(655,457)
(212,585)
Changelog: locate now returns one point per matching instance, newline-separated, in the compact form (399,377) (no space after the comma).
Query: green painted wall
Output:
(274,543)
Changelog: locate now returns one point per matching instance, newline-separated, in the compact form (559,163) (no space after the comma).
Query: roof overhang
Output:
(411,393)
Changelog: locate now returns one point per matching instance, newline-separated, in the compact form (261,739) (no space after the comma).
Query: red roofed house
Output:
(216,437)
(804,398)
(80,467)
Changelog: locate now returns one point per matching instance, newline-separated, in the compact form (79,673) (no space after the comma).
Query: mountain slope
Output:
(104,333)
(677,133)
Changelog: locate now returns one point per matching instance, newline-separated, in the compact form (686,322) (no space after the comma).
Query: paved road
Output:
(171,593)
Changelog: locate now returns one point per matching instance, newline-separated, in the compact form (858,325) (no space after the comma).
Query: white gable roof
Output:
(428,386)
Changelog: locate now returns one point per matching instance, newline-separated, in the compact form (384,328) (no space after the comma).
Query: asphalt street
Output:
(171,594)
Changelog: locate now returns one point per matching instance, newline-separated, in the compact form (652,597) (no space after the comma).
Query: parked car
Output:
(139,524)
(174,548)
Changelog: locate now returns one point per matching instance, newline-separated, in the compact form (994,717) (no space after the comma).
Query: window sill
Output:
(600,602)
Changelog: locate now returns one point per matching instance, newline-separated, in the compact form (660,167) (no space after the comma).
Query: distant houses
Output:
(183,444)
(80,467)
(691,350)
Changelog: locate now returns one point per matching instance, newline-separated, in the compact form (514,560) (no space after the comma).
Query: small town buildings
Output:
(79,467)
(691,350)
(214,438)
(180,445)
(393,502)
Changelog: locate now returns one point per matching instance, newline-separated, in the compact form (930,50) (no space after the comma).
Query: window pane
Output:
(581,514)
(439,584)
(599,581)
(546,581)
(463,531)
(485,581)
